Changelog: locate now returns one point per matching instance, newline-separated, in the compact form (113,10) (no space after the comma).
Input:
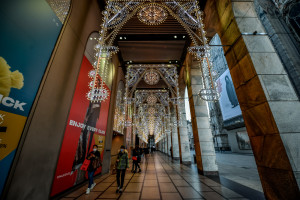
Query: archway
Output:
(254,91)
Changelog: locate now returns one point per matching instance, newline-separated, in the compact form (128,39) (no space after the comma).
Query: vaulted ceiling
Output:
(141,43)
(148,44)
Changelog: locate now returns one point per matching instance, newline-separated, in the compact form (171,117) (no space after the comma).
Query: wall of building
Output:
(44,131)
(275,17)
(233,142)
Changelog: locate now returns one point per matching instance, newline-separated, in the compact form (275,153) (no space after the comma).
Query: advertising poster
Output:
(228,101)
(29,30)
(243,140)
(86,126)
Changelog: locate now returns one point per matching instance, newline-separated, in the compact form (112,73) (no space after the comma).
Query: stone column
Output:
(203,140)
(159,145)
(184,138)
(175,143)
(166,145)
(169,142)
(267,99)
(279,104)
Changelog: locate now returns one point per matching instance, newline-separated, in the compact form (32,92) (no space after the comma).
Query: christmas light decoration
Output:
(151,77)
(152,14)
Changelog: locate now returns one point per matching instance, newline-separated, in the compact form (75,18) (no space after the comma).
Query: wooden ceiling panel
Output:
(151,51)
(169,26)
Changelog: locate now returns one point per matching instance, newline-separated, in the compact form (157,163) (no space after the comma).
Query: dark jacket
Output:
(122,160)
(95,159)
(137,153)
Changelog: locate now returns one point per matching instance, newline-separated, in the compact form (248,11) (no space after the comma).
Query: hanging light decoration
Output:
(202,53)
(151,111)
(98,91)
(116,13)
(151,99)
(152,14)
(151,77)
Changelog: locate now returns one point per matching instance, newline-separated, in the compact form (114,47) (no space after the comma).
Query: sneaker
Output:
(117,190)
(93,185)
(88,191)
(140,170)
(120,190)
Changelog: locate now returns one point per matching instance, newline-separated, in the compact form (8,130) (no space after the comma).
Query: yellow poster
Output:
(11,127)
(100,141)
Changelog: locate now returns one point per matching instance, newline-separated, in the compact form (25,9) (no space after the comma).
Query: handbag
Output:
(97,163)
(114,169)
(134,158)
(85,165)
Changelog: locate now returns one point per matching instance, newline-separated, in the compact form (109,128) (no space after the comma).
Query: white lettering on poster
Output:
(83,126)
(63,175)
(10,102)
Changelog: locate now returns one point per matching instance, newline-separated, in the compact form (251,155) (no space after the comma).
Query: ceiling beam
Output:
(151,37)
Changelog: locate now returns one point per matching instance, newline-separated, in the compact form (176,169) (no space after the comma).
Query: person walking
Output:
(122,166)
(136,159)
(95,162)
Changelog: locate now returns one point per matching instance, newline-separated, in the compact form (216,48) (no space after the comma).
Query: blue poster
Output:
(29,30)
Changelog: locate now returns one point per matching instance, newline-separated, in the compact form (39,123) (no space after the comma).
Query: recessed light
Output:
(175,36)
(183,36)
(121,38)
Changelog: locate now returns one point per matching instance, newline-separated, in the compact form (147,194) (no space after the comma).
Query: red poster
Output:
(86,126)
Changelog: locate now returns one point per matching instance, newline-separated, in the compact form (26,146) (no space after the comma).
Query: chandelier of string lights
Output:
(151,77)
(116,14)
(152,14)
(98,75)
(151,111)
(151,99)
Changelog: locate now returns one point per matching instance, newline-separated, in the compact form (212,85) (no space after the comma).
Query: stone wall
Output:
(281,36)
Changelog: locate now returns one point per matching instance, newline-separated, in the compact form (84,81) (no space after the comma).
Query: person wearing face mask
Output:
(94,157)
(122,165)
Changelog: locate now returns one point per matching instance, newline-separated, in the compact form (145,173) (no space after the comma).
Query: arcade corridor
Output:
(211,86)
(163,179)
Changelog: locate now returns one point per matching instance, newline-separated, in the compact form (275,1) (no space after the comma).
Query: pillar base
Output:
(186,162)
(208,173)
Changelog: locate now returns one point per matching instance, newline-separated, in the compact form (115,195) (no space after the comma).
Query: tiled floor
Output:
(160,179)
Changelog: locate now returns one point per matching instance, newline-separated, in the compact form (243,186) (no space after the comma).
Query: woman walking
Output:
(122,165)
(136,159)
(95,162)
